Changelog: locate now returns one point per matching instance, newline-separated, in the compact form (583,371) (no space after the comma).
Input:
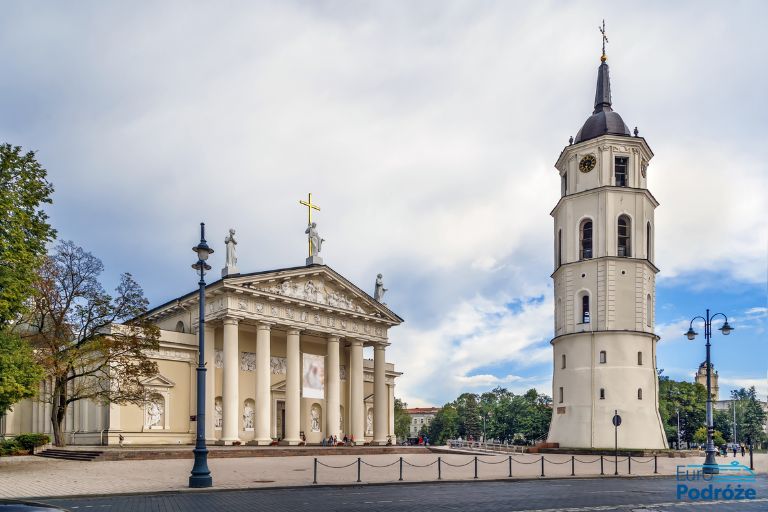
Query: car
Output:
(27,506)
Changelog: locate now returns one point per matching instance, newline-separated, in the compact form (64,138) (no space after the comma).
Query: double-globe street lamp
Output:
(710,466)
(201,475)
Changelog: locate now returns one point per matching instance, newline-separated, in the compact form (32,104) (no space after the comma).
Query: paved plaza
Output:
(40,477)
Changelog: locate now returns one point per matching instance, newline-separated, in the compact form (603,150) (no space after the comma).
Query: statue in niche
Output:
(315,416)
(218,410)
(369,421)
(155,412)
(379,291)
(248,415)
(315,242)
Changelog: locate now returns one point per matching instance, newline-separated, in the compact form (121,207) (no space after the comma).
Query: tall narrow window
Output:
(640,359)
(563,359)
(559,247)
(602,394)
(648,242)
(603,358)
(564,184)
(561,395)
(649,310)
(621,170)
(585,240)
(639,393)
(585,308)
(624,238)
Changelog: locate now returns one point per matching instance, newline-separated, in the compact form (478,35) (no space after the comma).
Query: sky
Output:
(427,132)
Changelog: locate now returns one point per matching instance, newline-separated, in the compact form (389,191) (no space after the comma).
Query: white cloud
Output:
(761,385)
(455,355)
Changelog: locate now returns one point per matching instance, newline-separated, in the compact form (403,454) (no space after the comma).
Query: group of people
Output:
(334,441)
(733,446)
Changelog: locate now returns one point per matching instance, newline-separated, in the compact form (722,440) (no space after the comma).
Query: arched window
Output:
(563,360)
(621,171)
(585,318)
(603,357)
(602,393)
(640,359)
(585,239)
(559,247)
(179,326)
(649,310)
(624,239)
(648,241)
(639,393)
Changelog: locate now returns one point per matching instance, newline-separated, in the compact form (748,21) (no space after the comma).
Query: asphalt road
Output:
(603,494)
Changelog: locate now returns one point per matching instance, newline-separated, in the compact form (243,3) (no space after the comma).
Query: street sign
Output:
(616,420)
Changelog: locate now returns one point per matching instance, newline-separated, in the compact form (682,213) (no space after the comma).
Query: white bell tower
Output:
(604,281)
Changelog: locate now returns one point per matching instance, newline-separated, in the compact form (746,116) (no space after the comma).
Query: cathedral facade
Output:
(604,283)
(284,359)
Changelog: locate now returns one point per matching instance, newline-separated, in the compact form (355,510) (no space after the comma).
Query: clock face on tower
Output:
(587,163)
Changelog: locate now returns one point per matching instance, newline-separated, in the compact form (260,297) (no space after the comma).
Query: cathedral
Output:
(284,353)
(604,346)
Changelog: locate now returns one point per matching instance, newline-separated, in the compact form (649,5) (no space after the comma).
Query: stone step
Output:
(53,453)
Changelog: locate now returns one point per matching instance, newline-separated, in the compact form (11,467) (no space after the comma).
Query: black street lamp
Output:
(710,466)
(201,475)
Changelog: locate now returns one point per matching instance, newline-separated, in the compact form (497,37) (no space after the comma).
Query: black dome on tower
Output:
(604,120)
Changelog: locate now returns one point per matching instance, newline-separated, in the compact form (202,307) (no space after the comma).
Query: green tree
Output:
(92,345)
(19,373)
(690,400)
(723,422)
(470,419)
(700,437)
(444,426)
(402,419)
(753,416)
(24,228)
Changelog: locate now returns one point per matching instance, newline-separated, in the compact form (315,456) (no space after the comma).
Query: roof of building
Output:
(603,120)
(423,410)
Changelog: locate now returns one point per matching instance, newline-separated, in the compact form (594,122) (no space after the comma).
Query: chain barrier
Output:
(475,460)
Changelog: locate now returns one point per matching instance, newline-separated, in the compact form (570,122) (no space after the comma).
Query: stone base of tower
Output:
(583,419)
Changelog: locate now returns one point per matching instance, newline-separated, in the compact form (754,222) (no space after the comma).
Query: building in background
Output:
(421,416)
(701,378)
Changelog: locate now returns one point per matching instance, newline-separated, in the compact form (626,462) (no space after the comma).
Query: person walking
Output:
(743,450)
(734,450)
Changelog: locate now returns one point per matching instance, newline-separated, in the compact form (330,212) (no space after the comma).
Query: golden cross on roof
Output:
(603,58)
(310,207)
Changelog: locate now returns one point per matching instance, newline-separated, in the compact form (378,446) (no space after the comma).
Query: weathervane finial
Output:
(603,57)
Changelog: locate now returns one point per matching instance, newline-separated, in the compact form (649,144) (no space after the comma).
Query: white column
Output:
(293,389)
(380,396)
(263,386)
(47,386)
(210,383)
(356,406)
(391,411)
(231,393)
(36,411)
(332,400)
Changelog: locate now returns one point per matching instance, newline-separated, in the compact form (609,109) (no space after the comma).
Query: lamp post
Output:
(710,466)
(201,475)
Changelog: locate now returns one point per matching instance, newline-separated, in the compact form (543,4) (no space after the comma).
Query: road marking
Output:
(647,506)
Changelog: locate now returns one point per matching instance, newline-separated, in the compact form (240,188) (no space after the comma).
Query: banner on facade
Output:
(313,385)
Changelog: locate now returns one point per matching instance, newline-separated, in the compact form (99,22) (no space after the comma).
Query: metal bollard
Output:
(314,478)
(655,466)
(358,470)
(439,470)
(573,466)
(401,469)
(542,465)
(629,464)
(601,465)
(475,466)
(510,466)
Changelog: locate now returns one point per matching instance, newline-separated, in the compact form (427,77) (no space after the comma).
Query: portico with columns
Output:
(284,353)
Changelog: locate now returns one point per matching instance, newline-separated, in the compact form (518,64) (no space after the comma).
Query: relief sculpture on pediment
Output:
(313,291)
